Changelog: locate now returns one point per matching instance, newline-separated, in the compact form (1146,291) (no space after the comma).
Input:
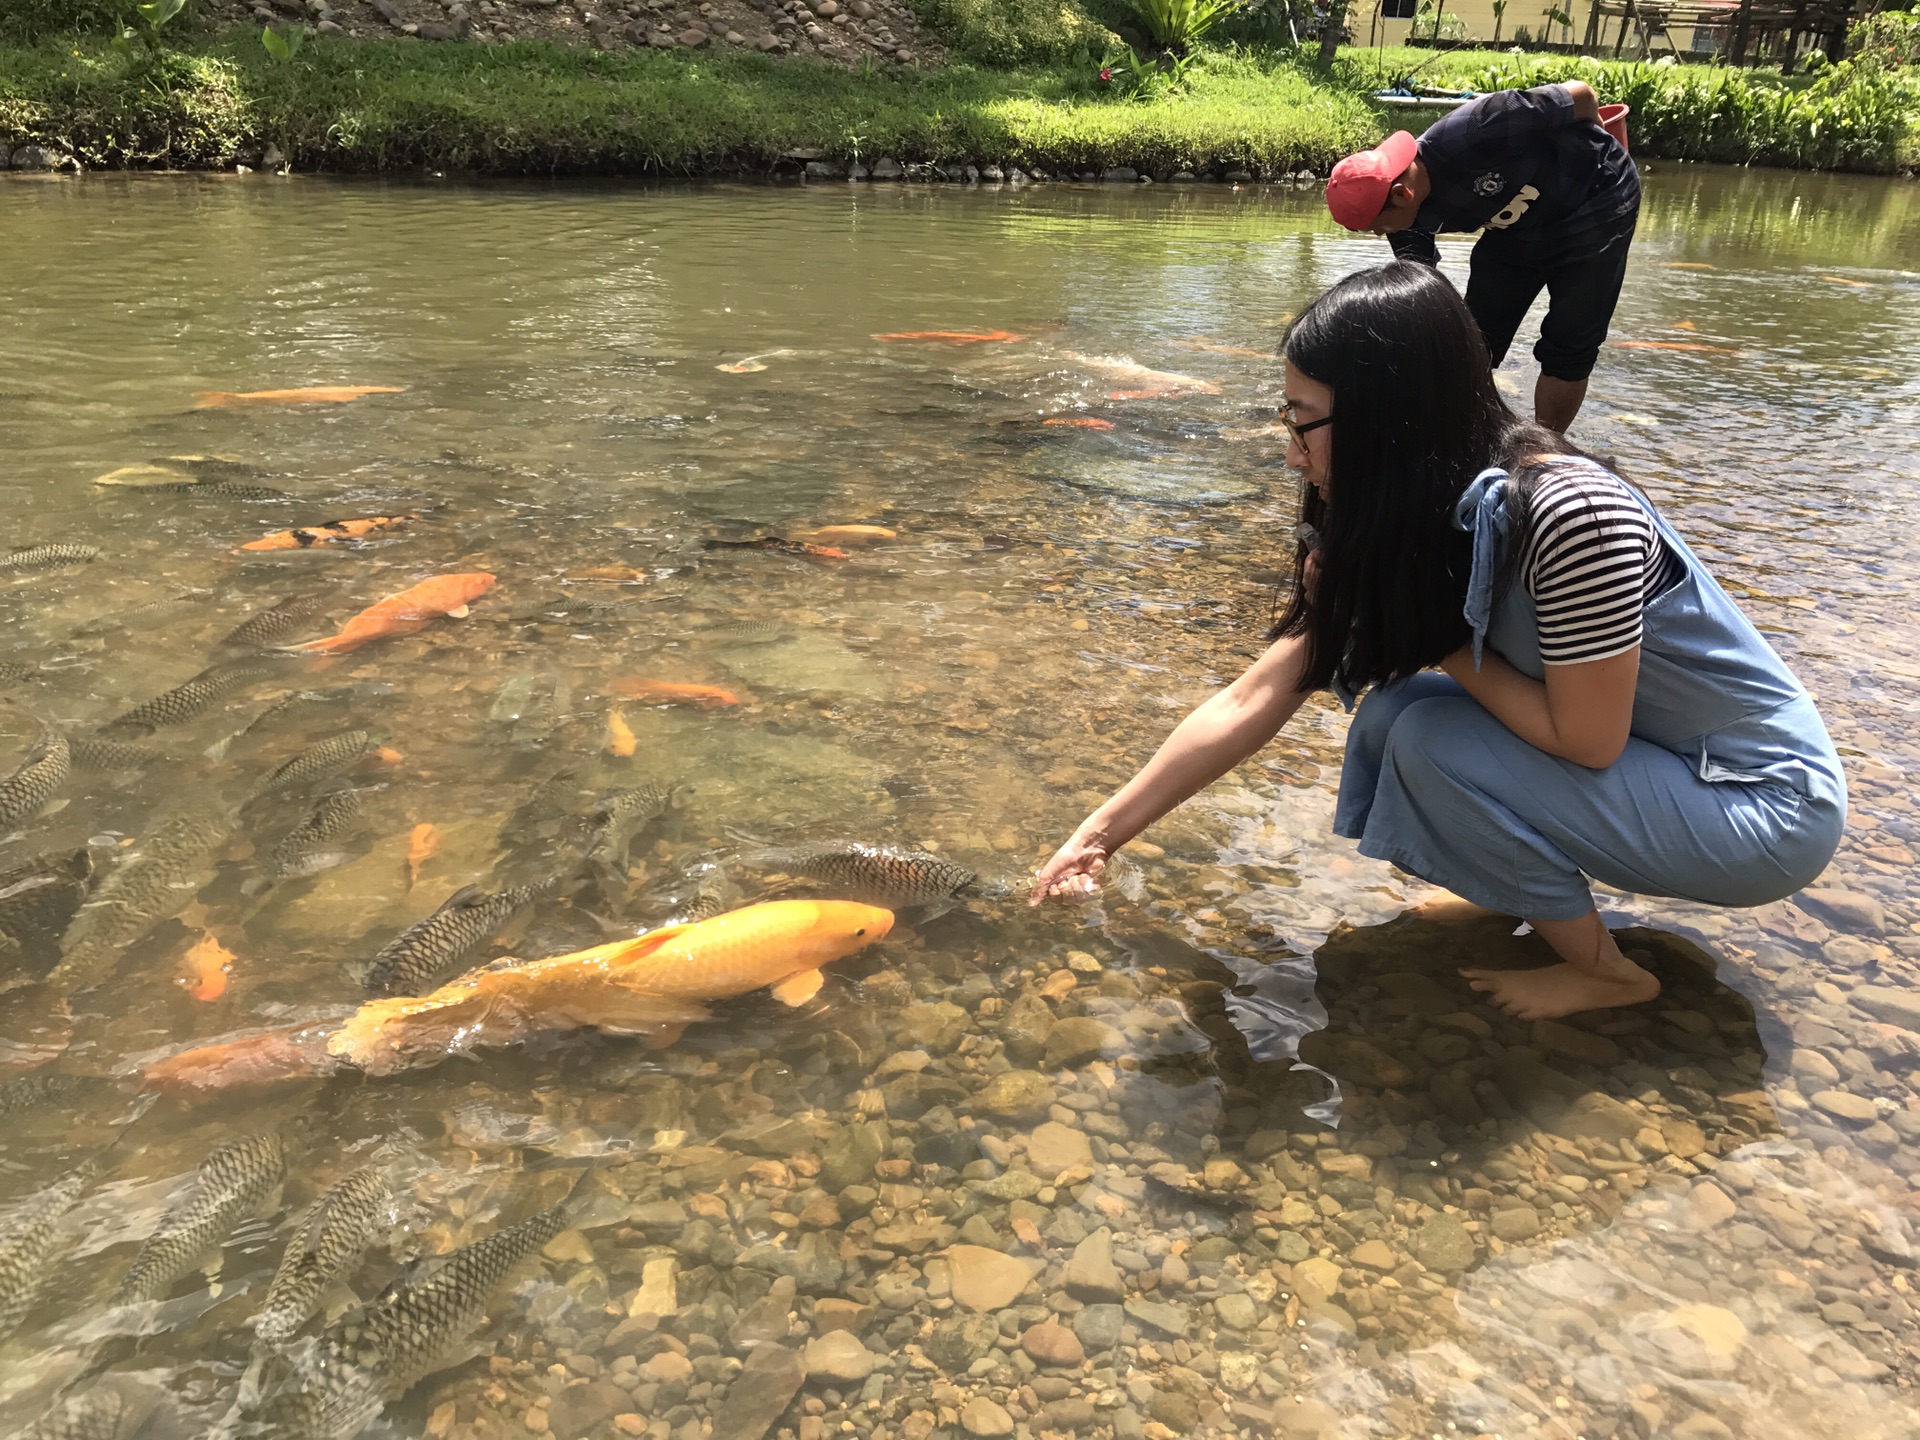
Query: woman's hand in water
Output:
(1073,872)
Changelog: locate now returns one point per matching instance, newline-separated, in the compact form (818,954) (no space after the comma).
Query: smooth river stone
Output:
(1844,909)
(1090,1274)
(1856,1109)
(1016,1095)
(1443,1244)
(807,663)
(838,1357)
(1055,1147)
(985,1279)
(760,1393)
(1080,1038)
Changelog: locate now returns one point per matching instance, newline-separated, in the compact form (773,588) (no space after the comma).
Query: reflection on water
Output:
(1230,1150)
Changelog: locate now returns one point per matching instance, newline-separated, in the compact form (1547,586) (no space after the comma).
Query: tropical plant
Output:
(1554,15)
(149,19)
(1177,26)
(282,45)
(1499,18)
(1125,74)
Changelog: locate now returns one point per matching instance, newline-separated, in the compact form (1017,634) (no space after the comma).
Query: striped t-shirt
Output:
(1591,561)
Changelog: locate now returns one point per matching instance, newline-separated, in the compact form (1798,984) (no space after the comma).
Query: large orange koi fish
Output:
(412,609)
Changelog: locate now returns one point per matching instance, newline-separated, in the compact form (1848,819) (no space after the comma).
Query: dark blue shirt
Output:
(1518,160)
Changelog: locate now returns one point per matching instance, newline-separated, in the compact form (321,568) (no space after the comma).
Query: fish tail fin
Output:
(212,399)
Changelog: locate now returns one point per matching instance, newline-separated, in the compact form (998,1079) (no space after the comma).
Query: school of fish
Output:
(163,917)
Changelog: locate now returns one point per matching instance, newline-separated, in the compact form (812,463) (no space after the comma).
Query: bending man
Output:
(1556,198)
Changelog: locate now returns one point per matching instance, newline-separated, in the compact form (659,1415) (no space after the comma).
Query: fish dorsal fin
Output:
(799,987)
(642,946)
(460,612)
(465,898)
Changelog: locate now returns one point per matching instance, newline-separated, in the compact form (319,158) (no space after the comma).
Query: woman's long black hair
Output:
(1415,417)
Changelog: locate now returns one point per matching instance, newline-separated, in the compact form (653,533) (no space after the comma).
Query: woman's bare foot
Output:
(1564,989)
(1592,974)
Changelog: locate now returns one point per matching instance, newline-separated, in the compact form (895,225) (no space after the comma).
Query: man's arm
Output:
(1415,245)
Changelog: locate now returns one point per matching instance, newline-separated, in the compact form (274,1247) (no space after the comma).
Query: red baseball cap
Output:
(1357,189)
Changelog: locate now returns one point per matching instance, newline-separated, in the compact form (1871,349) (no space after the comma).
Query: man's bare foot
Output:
(1564,989)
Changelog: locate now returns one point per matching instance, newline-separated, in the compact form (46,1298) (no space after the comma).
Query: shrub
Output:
(1852,117)
(28,21)
(1014,32)
(1890,39)
(1179,25)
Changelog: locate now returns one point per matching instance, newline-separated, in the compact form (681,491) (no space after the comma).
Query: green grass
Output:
(526,108)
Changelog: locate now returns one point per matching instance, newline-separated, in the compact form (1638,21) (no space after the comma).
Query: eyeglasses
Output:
(1298,431)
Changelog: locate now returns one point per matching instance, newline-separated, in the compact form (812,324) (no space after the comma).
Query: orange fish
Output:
(1842,280)
(855,535)
(626,574)
(1690,346)
(1080,423)
(620,739)
(785,547)
(422,845)
(1214,347)
(330,533)
(290,1053)
(412,609)
(206,969)
(955,337)
(654,984)
(309,395)
(1687,325)
(673,692)
(1143,382)
(1690,265)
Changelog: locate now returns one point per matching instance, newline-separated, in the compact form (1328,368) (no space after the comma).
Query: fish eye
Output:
(858,933)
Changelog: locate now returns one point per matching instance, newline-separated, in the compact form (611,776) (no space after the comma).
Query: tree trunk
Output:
(1330,32)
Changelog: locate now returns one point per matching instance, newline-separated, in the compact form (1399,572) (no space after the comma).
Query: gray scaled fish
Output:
(25,793)
(319,761)
(271,626)
(190,698)
(13,672)
(38,901)
(155,881)
(620,817)
(101,1413)
(41,1090)
(421,956)
(31,1243)
(528,707)
(387,1344)
(46,557)
(292,709)
(238,1181)
(330,1235)
(874,874)
(306,849)
(91,752)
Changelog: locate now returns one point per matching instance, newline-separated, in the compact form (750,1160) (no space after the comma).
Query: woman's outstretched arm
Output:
(1229,727)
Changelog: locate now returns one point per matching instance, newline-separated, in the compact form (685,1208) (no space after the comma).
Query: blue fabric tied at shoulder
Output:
(1482,509)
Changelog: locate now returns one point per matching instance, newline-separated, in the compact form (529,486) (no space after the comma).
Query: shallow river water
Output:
(1230,1151)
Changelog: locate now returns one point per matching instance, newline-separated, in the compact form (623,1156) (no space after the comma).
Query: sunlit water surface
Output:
(1692,1220)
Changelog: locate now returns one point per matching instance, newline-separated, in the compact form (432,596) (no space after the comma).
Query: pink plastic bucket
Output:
(1613,120)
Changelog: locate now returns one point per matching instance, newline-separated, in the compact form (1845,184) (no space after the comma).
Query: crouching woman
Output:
(1557,689)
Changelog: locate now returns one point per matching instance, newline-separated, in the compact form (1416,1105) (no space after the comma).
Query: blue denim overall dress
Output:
(1729,791)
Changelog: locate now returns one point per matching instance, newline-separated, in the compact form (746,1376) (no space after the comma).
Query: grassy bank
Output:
(524,108)
(362,106)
